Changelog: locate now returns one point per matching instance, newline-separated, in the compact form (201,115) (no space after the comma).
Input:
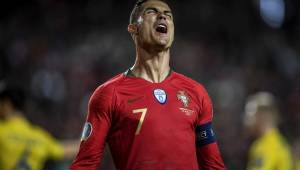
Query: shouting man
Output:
(150,116)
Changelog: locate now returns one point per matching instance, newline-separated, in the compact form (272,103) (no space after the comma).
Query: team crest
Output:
(183,97)
(160,96)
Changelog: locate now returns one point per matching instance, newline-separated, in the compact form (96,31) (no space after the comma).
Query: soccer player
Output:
(270,149)
(24,146)
(151,117)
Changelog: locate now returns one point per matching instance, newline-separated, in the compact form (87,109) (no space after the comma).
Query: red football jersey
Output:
(149,126)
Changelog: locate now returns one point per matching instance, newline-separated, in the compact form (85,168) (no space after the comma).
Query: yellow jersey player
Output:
(24,146)
(269,151)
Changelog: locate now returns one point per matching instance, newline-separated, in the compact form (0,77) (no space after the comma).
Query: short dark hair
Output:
(137,10)
(15,95)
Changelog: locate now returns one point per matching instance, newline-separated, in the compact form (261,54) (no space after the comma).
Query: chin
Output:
(163,43)
(161,46)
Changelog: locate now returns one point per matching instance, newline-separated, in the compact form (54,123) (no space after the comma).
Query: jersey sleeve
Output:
(95,130)
(208,154)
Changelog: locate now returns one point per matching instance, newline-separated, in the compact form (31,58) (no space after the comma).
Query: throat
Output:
(148,75)
(152,66)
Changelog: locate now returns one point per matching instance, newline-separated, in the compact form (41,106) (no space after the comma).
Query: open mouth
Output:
(162,28)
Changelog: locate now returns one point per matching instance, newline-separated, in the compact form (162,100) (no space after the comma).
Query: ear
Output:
(132,29)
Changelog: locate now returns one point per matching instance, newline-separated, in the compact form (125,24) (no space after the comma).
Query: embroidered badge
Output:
(187,112)
(160,96)
(183,97)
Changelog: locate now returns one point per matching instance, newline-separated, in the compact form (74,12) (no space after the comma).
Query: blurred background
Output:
(61,50)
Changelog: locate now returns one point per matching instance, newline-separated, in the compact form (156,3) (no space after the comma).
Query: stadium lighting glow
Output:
(272,12)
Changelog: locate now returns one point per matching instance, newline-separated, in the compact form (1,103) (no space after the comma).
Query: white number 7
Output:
(143,111)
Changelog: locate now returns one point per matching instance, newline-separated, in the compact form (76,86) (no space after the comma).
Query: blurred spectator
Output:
(270,149)
(24,145)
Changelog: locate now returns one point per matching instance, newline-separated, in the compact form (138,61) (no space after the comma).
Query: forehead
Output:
(156,4)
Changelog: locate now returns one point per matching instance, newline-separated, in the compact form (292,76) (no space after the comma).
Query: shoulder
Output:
(270,142)
(196,86)
(105,95)
(110,85)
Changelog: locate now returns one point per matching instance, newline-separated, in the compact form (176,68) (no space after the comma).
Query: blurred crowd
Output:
(59,51)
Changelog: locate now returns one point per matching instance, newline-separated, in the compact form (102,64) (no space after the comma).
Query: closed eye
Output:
(154,11)
(169,14)
(150,11)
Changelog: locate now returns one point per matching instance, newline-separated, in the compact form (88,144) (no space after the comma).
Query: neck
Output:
(152,66)
(266,128)
(11,113)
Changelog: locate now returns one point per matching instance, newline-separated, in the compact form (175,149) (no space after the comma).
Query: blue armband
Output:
(204,135)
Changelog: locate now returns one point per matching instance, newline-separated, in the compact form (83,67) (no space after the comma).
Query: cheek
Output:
(171,26)
(145,29)
(171,34)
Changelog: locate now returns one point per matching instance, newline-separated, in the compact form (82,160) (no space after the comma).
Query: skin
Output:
(152,47)
(6,109)
(259,122)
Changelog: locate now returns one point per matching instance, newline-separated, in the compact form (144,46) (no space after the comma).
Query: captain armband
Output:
(204,135)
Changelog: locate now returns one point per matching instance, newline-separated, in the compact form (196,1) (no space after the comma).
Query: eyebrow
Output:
(155,9)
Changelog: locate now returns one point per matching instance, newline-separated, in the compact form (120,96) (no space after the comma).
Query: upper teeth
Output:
(161,25)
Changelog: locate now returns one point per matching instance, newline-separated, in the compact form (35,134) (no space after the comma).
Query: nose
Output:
(162,16)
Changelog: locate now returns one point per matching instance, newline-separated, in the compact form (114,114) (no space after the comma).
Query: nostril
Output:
(162,17)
